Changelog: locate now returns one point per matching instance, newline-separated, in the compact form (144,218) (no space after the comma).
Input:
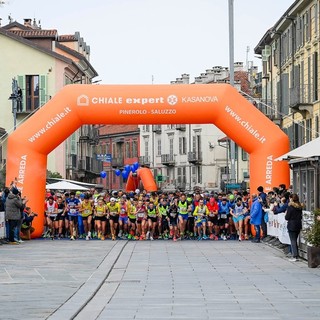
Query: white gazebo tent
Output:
(65,185)
(308,150)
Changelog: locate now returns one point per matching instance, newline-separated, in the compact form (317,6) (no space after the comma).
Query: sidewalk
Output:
(44,279)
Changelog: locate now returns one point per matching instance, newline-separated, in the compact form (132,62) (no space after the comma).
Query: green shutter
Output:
(43,90)
(22,84)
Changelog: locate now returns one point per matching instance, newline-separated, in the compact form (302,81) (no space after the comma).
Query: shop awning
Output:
(308,150)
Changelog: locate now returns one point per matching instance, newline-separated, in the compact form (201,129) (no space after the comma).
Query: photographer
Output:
(26,227)
(13,212)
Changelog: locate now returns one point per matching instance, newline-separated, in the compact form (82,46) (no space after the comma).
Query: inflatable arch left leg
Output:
(74,105)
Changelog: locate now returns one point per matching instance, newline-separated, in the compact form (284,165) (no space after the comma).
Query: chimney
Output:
(185,78)
(238,66)
(27,22)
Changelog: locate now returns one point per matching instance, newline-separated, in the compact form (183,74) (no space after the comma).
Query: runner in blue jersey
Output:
(73,205)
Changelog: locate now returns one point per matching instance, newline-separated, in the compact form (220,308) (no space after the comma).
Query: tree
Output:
(53,174)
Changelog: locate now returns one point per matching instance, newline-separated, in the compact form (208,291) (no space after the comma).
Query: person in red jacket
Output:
(213,208)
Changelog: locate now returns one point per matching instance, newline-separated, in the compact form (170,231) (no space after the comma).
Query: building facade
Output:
(290,85)
(119,145)
(35,64)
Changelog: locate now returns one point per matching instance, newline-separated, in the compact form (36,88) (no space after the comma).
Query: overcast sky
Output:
(133,41)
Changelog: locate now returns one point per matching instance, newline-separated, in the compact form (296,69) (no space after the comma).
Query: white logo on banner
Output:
(172,100)
(83,101)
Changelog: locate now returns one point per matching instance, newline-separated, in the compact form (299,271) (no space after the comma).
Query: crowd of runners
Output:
(140,215)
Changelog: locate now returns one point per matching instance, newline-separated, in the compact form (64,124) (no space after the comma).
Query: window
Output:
(316,124)
(171,146)
(32,93)
(315,76)
(73,144)
(244,155)
(134,148)
(146,148)
(159,147)
(127,149)
(182,145)
(308,130)
(103,149)
(199,173)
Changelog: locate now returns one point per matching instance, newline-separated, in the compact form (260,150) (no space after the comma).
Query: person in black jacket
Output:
(294,218)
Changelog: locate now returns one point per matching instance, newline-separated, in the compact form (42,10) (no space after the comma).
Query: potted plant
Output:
(312,237)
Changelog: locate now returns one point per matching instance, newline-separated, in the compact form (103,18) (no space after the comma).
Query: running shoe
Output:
(129,236)
(211,236)
(87,238)
(224,237)
(113,238)
(102,238)
(199,238)
(174,239)
(148,235)
(72,238)
(205,237)
(14,242)
(293,259)
(120,234)
(151,238)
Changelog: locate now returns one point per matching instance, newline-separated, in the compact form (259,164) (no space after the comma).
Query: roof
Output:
(241,76)
(308,150)
(36,33)
(31,44)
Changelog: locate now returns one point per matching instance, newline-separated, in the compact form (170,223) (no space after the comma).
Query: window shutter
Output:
(43,90)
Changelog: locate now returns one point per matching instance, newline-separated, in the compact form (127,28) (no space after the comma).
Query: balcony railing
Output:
(144,161)
(301,95)
(195,157)
(168,159)
(181,127)
(156,128)
(90,164)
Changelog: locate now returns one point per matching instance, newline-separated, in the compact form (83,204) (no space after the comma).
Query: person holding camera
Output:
(14,207)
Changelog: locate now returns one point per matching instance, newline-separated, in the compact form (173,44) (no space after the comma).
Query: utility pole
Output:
(231,63)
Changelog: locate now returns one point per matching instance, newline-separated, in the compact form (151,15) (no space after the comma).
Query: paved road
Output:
(43,279)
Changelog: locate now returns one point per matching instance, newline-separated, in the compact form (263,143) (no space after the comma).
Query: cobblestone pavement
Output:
(44,279)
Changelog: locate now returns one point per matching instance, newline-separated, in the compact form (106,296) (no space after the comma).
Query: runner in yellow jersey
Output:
(100,214)
(132,214)
(113,210)
(86,211)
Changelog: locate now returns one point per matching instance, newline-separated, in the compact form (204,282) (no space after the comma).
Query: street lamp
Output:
(14,97)
(231,63)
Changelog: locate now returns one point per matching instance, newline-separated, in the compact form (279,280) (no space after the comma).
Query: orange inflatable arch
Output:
(75,105)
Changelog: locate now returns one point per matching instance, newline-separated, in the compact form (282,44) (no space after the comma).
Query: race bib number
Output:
(223,216)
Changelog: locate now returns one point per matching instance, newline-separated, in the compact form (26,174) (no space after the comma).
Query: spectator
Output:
(256,216)
(294,218)
(14,205)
